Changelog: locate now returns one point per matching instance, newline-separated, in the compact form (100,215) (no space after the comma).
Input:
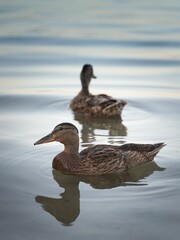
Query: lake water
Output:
(134,47)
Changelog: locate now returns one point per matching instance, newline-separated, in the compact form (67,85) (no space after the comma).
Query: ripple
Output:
(31,103)
(136,49)
(53,59)
(49,41)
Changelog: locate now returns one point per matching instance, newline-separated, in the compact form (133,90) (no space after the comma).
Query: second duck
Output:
(98,105)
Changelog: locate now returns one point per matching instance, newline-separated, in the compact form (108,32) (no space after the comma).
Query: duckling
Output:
(97,159)
(98,105)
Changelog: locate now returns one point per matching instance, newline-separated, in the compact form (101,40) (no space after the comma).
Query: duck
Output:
(96,105)
(98,159)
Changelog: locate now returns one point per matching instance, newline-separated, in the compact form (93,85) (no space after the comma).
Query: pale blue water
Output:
(134,47)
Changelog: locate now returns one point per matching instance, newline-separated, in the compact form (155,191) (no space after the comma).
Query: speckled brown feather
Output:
(98,159)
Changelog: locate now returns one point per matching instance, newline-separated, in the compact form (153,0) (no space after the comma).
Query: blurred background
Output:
(134,47)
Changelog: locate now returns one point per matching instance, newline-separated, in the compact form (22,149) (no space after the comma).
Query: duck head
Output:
(65,133)
(86,75)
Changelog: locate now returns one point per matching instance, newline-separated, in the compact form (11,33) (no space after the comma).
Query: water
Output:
(135,50)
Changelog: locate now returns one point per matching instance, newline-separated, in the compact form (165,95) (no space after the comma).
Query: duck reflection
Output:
(66,209)
(89,124)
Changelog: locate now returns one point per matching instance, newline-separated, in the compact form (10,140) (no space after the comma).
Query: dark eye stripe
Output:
(63,126)
(61,129)
(68,128)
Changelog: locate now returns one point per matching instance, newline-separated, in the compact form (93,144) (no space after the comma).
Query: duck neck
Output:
(85,86)
(72,149)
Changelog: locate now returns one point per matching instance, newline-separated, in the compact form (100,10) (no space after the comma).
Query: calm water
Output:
(134,47)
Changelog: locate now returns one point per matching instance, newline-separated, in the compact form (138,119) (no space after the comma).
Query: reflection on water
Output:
(67,208)
(89,124)
(135,48)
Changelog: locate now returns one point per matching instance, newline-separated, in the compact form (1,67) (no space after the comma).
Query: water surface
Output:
(135,50)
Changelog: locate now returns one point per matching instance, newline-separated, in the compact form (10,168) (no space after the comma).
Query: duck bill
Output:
(93,76)
(46,139)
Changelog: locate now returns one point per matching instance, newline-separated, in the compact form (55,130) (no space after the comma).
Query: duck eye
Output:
(61,129)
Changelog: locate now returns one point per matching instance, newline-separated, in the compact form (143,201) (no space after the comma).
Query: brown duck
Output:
(99,105)
(98,159)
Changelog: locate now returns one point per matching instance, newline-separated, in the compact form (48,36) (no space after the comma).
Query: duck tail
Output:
(114,108)
(158,147)
(123,102)
(143,153)
(150,155)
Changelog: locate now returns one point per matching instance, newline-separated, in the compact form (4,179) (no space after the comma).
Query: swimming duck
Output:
(97,159)
(99,105)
